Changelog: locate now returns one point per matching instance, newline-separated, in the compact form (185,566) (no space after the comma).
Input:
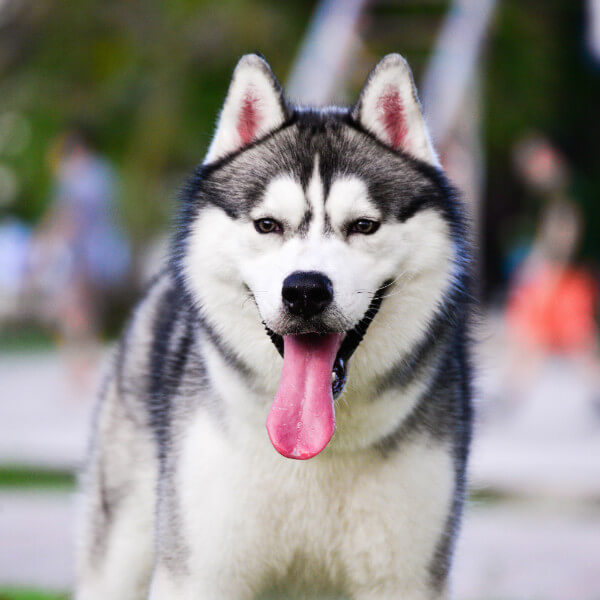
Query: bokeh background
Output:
(105,106)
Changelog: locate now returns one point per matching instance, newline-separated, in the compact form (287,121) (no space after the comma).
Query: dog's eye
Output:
(364,226)
(267,226)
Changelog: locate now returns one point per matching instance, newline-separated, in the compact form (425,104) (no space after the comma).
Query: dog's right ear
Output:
(254,106)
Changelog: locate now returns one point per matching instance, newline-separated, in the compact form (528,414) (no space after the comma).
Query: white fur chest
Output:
(252,518)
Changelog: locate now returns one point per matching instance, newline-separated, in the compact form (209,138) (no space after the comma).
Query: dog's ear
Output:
(388,107)
(254,106)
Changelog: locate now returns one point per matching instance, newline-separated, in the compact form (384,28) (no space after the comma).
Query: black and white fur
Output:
(184,495)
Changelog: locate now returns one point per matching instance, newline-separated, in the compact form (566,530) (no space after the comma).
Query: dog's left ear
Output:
(388,107)
(254,106)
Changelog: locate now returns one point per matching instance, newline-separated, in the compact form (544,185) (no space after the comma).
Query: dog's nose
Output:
(307,293)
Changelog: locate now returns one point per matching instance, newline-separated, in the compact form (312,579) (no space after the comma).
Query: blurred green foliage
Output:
(146,78)
(539,77)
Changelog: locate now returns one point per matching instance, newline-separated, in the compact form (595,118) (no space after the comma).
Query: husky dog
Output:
(318,284)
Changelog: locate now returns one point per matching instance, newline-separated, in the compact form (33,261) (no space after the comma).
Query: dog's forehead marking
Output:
(315,195)
(348,200)
(314,211)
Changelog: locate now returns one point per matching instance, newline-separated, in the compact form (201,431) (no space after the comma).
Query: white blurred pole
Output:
(463,153)
(325,52)
(452,100)
(593,27)
(453,64)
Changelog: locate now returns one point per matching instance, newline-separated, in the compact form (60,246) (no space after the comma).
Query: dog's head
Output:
(336,224)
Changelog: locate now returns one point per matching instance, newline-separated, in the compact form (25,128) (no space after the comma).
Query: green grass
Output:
(16,477)
(27,594)
(26,339)
(487,496)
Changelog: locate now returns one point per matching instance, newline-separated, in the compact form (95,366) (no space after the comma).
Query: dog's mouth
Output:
(301,421)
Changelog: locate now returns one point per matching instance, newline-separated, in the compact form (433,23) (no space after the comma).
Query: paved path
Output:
(509,551)
(529,551)
(43,421)
(36,533)
(548,548)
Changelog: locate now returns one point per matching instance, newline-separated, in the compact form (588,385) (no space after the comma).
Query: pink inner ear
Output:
(248,118)
(392,117)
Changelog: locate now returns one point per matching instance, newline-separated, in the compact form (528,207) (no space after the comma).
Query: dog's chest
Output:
(336,517)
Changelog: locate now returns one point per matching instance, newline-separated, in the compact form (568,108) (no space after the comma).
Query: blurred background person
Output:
(79,254)
(552,371)
(551,316)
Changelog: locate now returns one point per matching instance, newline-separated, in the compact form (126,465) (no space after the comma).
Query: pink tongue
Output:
(301,421)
